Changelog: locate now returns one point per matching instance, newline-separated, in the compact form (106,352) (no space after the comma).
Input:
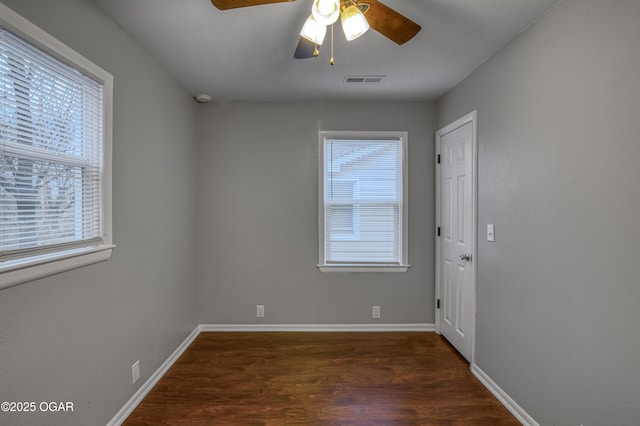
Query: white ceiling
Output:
(247,53)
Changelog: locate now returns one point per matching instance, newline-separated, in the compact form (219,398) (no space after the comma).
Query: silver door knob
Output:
(466,256)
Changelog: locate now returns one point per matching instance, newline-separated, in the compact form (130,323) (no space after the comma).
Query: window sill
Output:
(14,272)
(363,268)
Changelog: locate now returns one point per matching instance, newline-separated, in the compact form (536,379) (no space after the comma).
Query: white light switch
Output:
(491,236)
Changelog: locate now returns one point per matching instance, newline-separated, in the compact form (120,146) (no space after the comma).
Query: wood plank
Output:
(235,4)
(390,23)
(320,378)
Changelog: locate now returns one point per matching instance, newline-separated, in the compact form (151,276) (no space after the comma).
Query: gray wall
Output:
(73,337)
(558,324)
(258,227)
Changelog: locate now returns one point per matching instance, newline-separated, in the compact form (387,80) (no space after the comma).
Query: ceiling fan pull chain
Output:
(331,61)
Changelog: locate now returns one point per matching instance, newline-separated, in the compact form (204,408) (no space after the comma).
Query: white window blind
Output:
(363,201)
(51,153)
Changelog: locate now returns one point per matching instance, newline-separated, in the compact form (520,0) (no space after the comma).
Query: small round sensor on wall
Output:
(202,98)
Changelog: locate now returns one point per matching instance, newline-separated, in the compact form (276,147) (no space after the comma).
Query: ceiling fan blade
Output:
(305,49)
(234,4)
(390,23)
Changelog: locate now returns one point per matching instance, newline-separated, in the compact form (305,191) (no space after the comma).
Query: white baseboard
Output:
(137,397)
(318,327)
(518,412)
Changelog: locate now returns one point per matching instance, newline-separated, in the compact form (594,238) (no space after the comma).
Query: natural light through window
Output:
(53,172)
(363,205)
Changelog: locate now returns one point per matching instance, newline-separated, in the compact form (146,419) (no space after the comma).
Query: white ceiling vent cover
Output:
(355,79)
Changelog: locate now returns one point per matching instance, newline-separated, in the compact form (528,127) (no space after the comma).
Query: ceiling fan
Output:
(356,16)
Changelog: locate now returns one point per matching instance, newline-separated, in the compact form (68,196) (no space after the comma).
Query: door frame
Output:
(472,118)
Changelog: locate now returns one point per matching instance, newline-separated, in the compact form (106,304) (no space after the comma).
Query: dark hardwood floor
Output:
(320,379)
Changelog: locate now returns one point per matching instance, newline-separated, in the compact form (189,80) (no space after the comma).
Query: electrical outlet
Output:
(375,312)
(135,371)
(259,311)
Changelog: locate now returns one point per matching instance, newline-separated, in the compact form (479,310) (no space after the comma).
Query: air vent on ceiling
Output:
(354,79)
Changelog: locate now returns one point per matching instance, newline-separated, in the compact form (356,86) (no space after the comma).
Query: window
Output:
(363,202)
(54,155)
(344,218)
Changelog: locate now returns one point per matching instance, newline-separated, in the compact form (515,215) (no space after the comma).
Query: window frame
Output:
(31,267)
(403,266)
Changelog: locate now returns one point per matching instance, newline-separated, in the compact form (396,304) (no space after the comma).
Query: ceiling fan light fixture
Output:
(326,12)
(354,24)
(313,31)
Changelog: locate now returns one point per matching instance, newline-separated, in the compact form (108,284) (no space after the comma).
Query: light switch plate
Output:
(491,234)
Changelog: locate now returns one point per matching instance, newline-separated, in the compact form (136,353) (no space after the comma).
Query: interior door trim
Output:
(471,117)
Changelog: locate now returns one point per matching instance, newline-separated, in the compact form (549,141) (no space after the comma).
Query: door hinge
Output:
(438,231)
(438,304)
(438,158)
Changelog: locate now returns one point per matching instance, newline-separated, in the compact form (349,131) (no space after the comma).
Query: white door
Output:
(455,271)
